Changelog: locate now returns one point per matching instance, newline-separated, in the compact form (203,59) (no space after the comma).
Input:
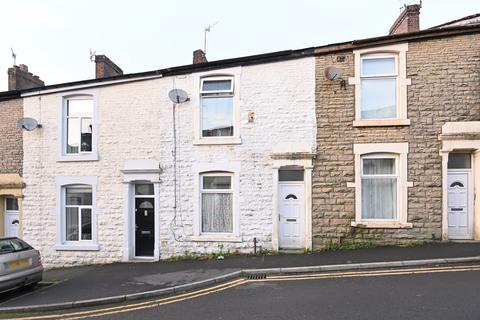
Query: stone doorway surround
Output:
(302,160)
(139,171)
(461,137)
(11,185)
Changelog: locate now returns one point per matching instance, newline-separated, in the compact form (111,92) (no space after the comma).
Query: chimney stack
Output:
(408,20)
(19,78)
(199,56)
(105,68)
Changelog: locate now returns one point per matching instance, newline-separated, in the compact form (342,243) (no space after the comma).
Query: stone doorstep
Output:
(233,275)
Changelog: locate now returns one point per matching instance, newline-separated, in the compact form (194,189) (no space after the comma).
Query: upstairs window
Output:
(381,86)
(217,114)
(79,125)
(378,87)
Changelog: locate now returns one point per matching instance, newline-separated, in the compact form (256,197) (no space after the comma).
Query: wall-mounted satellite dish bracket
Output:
(178,96)
(335,74)
(28,124)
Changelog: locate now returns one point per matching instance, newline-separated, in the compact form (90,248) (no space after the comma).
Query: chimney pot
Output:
(199,56)
(19,78)
(104,67)
(407,21)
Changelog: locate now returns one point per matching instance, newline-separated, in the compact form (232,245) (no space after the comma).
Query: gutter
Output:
(391,39)
(39,90)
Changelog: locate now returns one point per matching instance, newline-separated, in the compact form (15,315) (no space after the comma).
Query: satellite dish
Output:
(178,96)
(332,73)
(28,124)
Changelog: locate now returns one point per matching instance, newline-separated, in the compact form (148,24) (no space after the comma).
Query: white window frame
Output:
(376,176)
(217,94)
(378,150)
(62,183)
(80,209)
(63,156)
(233,74)
(399,51)
(213,191)
(216,169)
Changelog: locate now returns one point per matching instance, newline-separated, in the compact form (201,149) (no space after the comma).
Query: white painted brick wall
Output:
(136,123)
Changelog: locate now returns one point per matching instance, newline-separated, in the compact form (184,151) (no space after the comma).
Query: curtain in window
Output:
(379,190)
(72,224)
(379,198)
(217,212)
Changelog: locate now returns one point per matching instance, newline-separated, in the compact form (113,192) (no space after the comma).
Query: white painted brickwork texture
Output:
(135,122)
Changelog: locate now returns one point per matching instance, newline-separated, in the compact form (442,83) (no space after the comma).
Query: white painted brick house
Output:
(111,176)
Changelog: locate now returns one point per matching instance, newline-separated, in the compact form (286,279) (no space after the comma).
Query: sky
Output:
(54,37)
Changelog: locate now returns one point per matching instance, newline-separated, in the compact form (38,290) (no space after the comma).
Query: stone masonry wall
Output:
(11,150)
(445,76)
(136,123)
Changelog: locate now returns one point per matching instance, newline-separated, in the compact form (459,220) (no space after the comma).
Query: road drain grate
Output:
(256,276)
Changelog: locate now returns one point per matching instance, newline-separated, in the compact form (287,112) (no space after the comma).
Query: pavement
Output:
(101,281)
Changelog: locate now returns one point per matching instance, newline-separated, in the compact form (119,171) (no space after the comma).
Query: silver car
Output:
(20,264)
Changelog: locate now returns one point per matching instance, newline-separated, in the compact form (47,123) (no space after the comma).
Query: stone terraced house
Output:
(398,135)
(372,140)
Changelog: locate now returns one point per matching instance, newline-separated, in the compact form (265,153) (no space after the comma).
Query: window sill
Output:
(217,141)
(215,238)
(77,247)
(381,225)
(72,158)
(381,123)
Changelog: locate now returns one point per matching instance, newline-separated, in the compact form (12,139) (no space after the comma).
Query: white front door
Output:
(11,217)
(291,215)
(460,216)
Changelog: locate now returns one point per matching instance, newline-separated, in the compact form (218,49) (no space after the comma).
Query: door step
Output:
(291,251)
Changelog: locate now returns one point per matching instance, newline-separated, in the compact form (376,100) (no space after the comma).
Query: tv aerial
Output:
(207,29)
(28,124)
(178,96)
(14,56)
(92,55)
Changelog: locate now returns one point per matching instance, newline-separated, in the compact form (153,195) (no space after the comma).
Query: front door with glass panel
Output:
(144,220)
(291,209)
(11,217)
(460,215)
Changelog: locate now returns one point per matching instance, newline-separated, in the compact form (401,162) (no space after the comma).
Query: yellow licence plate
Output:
(18,264)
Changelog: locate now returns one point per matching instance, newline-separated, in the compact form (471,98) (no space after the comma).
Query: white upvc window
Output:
(381,86)
(217,107)
(378,86)
(76,214)
(216,203)
(381,186)
(78,134)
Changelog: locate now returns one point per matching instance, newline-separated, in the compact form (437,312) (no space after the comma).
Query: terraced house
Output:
(373,140)
(11,150)
(119,172)
(398,135)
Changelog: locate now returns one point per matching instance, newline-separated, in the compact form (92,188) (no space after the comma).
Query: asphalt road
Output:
(453,295)
(428,294)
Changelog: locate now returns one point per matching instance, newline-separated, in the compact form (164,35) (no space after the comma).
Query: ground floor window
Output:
(216,196)
(78,213)
(379,186)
